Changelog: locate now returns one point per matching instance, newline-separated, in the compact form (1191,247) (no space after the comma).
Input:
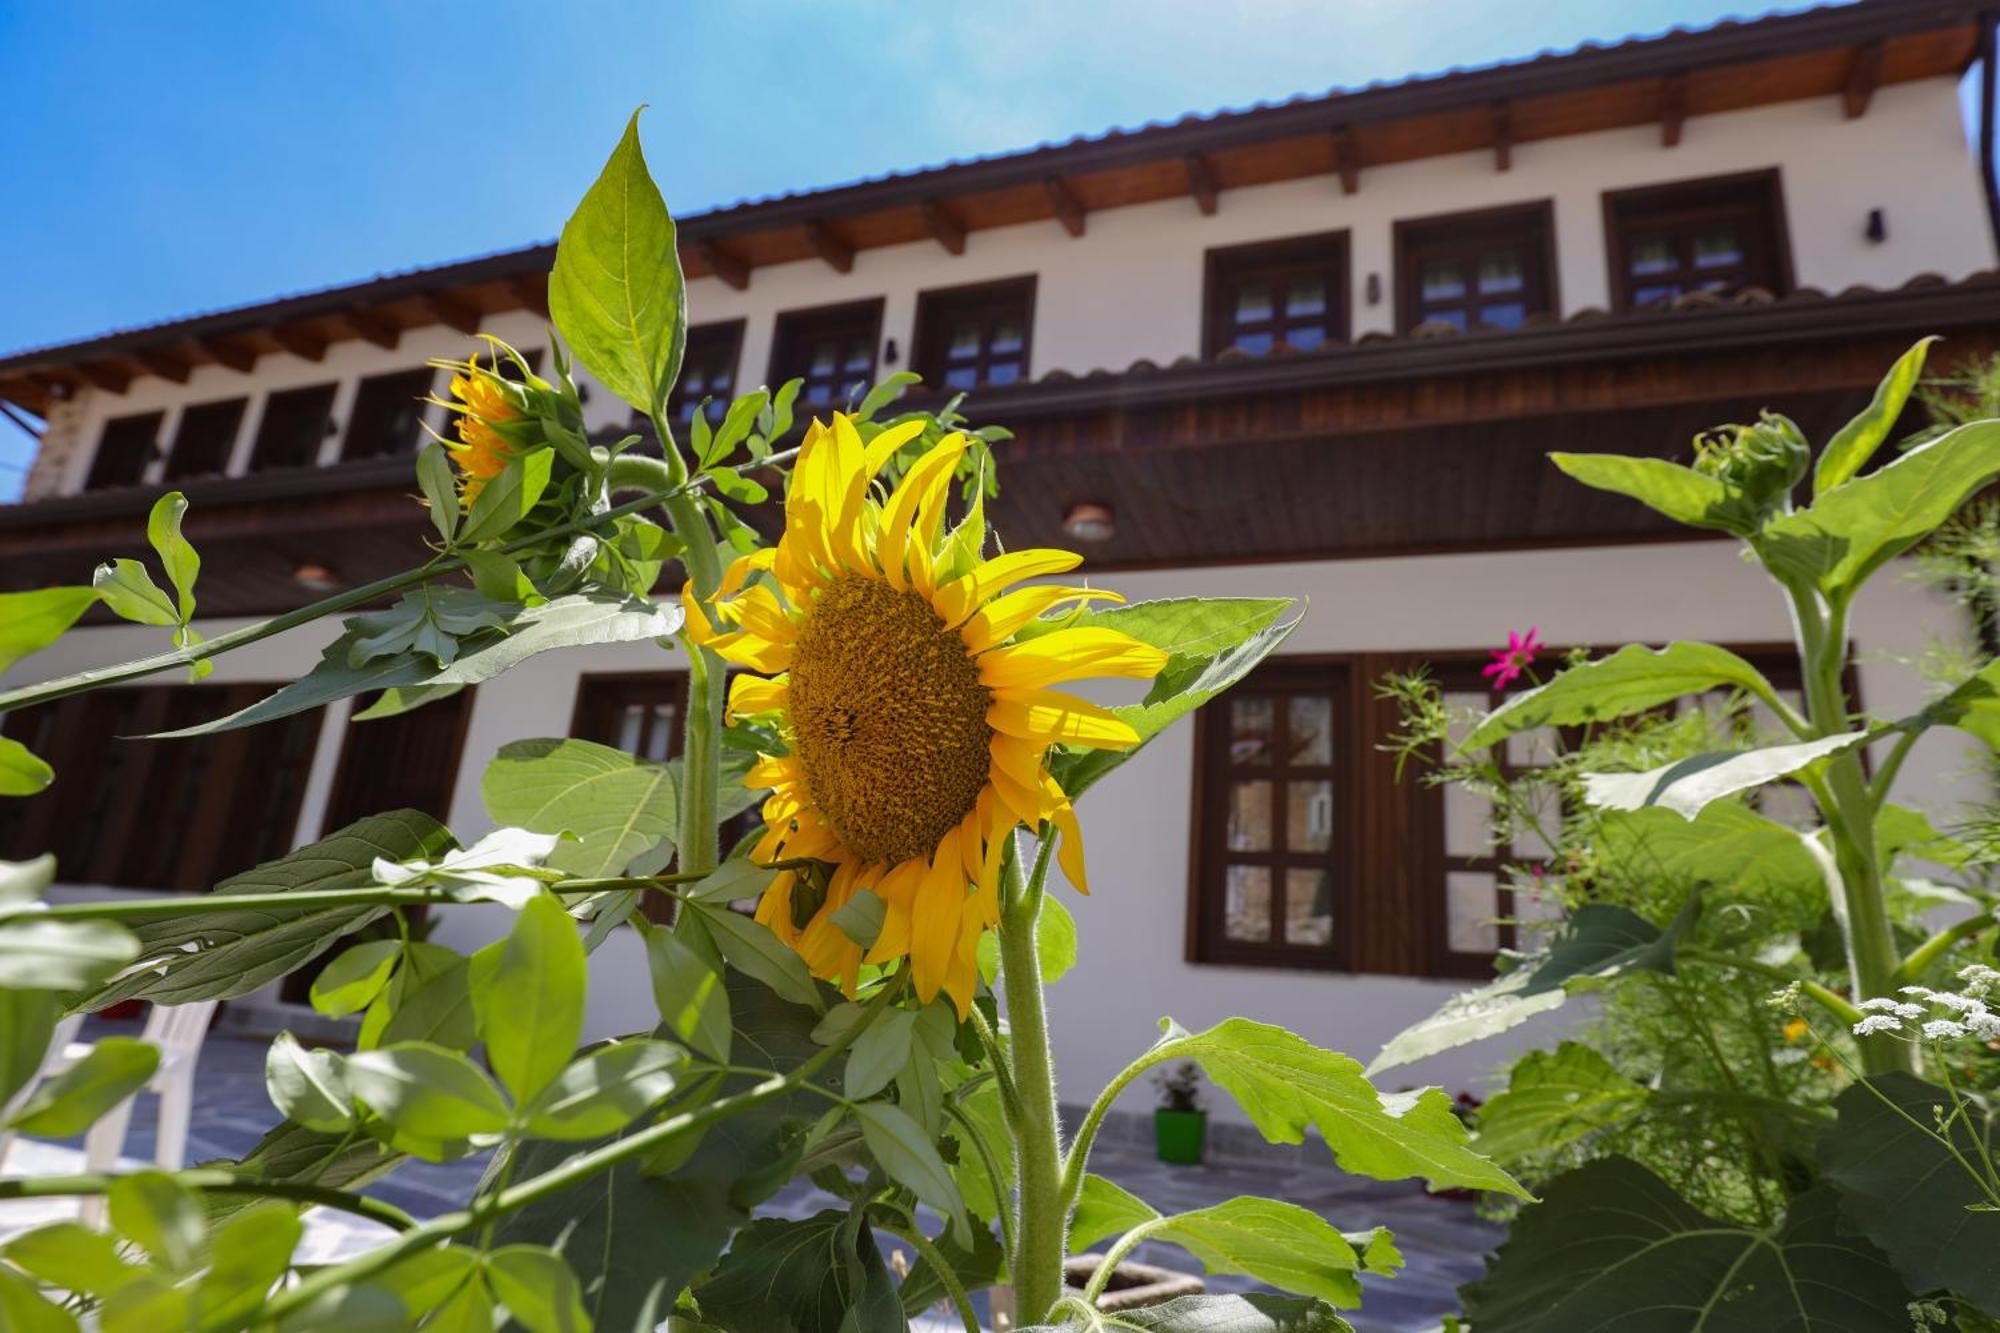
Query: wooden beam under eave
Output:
(1864,75)
(1346,161)
(1068,208)
(167,365)
(1503,138)
(1201,184)
(455,311)
(725,266)
(105,375)
(838,254)
(944,226)
(1673,108)
(533,294)
(373,328)
(300,341)
(240,357)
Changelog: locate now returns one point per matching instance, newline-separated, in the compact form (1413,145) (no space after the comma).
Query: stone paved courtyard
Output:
(1442,1241)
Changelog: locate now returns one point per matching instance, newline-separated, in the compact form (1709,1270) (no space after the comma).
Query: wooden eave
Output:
(1844,53)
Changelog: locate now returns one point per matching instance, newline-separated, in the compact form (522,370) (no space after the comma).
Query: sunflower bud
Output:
(1758,464)
(504,411)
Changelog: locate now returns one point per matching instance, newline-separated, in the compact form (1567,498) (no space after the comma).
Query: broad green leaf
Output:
(507,499)
(1469,1016)
(1730,849)
(211,952)
(1555,1099)
(293,1152)
(440,488)
(988,1119)
(1612,1240)
(1285,1084)
(1687,785)
(1280,1244)
(736,879)
(22,772)
(130,592)
(1254,1312)
(1973,706)
(397,700)
(879,1053)
(72,1256)
(308,1087)
(428,1278)
(1105,1210)
(618,806)
(429,1000)
(751,948)
(691,996)
(1212,643)
(1856,442)
(821,1273)
(74,1100)
(62,955)
(498,578)
(349,1309)
(247,1256)
(978,1266)
(1055,940)
(469,1309)
(25,1310)
(616,292)
(177,554)
(1850,532)
(503,867)
(1631,680)
(1905,1191)
(601,1092)
(900,1146)
(566,622)
(27,1023)
(538,1288)
(861,917)
(31,621)
(161,1216)
(1682,494)
(350,983)
(530,1006)
(429,1091)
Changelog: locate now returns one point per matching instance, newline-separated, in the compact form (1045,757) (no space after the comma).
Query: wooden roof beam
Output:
(239,356)
(455,311)
(1201,184)
(1068,208)
(374,328)
(1346,161)
(533,293)
(1673,108)
(723,265)
(166,364)
(106,375)
(838,254)
(1864,75)
(300,341)
(1503,138)
(944,226)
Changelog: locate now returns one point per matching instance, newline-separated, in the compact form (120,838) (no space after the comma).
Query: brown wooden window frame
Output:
(987,304)
(602,697)
(265,443)
(716,349)
(1321,254)
(1758,196)
(855,321)
(110,462)
(364,414)
(219,422)
(359,789)
(1468,237)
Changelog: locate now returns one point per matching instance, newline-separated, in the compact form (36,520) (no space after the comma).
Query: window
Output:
(295,421)
(1284,293)
(1490,269)
(161,815)
(639,714)
(707,371)
(123,450)
(388,414)
(205,438)
(832,349)
(972,336)
(1718,236)
(405,761)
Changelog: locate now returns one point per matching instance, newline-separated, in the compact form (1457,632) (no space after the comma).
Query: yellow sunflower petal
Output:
(1069,852)
(958,599)
(1001,618)
(1053,717)
(930,473)
(750,695)
(1069,654)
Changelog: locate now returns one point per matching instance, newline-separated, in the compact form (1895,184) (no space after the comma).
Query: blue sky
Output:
(169,159)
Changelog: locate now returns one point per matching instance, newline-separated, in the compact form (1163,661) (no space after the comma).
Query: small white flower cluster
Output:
(1953,1014)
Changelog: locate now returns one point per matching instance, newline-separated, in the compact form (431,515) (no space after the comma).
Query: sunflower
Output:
(484,402)
(914,695)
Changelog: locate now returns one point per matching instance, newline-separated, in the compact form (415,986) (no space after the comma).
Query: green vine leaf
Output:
(529,1004)
(429,1093)
(309,1088)
(1631,680)
(1687,497)
(1687,785)
(538,1288)
(130,592)
(604,1090)
(62,955)
(22,772)
(1555,1099)
(177,555)
(31,621)
(822,1273)
(73,1100)
(616,805)
(1856,442)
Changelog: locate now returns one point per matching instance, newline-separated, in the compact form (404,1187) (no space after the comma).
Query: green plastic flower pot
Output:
(1180,1135)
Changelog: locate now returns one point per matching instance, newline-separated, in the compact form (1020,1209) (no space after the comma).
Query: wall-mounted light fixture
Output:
(1373,289)
(315,577)
(1877,230)
(1089,521)
(890,354)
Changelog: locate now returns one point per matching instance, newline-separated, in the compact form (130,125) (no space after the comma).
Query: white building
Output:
(1316,349)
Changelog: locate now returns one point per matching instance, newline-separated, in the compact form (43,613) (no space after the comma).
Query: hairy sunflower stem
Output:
(1041,1233)
(220,1181)
(1116,1256)
(1077,1163)
(903,1226)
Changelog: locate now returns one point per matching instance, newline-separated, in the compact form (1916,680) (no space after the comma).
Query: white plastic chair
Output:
(54,1058)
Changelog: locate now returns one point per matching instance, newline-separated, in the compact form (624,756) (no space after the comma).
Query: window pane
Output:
(1544,811)
(1253,302)
(1007,336)
(1246,903)
(1510,315)
(964,342)
(1648,295)
(1467,817)
(1257,344)
(1003,372)
(1305,337)
(1308,816)
(1309,729)
(1529,749)
(1308,907)
(1443,280)
(1251,718)
(1650,253)
(1472,901)
(1455,318)
(1717,247)
(824,359)
(1501,271)
(861,356)
(1305,296)
(818,392)
(961,377)
(1250,817)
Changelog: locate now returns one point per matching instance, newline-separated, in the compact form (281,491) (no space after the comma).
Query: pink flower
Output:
(1508,663)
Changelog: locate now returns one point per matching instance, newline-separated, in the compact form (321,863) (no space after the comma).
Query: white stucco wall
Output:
(1135,822)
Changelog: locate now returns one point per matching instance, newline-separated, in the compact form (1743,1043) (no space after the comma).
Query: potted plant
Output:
(1180,1126)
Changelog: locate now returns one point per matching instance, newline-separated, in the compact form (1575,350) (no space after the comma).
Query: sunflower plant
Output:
(853,993)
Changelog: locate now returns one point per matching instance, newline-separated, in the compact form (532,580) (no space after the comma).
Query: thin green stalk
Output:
(218,1181)
(114,909)
(1828,1000)
(1885,777)
(940,1266)
(1042,1236)
(574,1171)
(1920,958)
(1116,1255)
(970,1134)
(1078,1160)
